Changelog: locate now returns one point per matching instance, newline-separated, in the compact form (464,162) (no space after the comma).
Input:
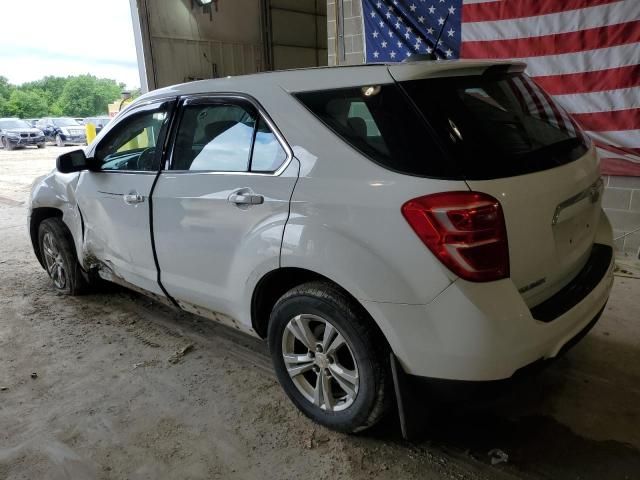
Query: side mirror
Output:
(74,161)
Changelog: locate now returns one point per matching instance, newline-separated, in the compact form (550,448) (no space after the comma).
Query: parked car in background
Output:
(63,131)
(416,218)
(19,133)
(98,122)
(31,121)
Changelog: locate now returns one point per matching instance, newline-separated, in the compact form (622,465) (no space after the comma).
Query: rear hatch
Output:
(507,138)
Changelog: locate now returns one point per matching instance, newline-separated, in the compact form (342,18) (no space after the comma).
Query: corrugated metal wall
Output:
(181,41)
(298,33)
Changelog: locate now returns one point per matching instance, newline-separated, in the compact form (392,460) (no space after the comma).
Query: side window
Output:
(225,138)
(131,145)
(268,154)
(214,137)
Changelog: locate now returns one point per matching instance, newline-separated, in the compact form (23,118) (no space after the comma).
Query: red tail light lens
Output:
(465,230)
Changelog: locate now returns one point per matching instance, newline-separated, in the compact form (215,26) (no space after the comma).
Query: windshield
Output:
(497,125)
(14,123)
(65,122)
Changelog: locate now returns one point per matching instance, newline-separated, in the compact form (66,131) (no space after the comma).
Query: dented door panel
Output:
(117,237)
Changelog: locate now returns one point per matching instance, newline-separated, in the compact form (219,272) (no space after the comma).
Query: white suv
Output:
(445,215)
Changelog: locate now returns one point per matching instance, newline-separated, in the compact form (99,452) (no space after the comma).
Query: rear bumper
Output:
(484,331)
(75,140)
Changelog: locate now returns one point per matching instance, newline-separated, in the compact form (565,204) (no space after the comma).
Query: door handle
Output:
(133,198)
(246,198)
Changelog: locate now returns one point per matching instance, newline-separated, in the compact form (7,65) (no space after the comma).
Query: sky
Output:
(67,37)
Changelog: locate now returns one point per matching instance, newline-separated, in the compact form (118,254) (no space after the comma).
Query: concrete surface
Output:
(108,402)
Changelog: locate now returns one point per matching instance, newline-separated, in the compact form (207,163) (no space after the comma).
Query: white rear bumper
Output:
(482,331)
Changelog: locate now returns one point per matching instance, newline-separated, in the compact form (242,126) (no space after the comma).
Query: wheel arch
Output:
(38,215)
(277,282)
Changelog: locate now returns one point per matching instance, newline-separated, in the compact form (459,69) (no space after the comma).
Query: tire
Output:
(359,380)
(7,144)
(59,141)
(59,257)
(41,145)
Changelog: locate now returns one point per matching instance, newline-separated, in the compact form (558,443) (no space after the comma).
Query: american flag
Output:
(585,53)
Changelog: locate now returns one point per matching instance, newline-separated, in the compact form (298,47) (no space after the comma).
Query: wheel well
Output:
(278,282)
(37,216)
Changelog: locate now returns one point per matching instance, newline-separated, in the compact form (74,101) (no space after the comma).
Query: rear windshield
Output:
(472,127)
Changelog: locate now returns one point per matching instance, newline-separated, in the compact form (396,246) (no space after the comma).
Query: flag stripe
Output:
(614,120)
(600,59)
(604,101)
(600,101)
(614,148)
(492,10)
(581,40)
(609,153)
(609,79)
(629,138)
(563,22)
(617,167)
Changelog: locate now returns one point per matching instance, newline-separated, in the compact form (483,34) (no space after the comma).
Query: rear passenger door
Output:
(221,204)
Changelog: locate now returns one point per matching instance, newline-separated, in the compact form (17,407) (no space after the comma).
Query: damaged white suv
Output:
(440,218)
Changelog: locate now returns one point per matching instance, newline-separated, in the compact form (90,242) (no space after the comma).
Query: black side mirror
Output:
(74,161)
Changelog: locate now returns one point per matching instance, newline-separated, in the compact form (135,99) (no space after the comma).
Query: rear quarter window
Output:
(380,122)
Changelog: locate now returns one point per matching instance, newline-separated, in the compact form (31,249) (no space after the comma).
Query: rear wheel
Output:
(328,359)
(59,257)
(59,141)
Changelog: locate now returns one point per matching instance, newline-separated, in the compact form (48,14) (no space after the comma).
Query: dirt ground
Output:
(96,387)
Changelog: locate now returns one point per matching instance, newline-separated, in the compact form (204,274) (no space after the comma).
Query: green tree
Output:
(50,85)
(5,88)
(86,95)
(26,104)
(5,92)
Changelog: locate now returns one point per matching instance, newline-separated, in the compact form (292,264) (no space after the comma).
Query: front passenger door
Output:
(115,200)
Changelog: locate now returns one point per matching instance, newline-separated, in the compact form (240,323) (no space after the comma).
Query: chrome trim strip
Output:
(593,191)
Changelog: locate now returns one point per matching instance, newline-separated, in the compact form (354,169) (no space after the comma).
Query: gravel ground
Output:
(98,387)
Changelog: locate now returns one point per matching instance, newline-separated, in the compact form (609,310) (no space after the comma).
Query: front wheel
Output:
(7,144)
(59,257)
(328,357)
(59,141)
(41,145)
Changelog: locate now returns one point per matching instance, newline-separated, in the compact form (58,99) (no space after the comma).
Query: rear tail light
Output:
(464,230)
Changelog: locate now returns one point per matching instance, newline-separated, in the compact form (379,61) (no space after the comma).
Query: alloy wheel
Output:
(320,362)
(54,261)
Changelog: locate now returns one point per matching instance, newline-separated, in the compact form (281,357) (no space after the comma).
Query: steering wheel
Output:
(145,160)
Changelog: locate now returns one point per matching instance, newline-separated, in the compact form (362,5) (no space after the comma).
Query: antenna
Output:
(435,45)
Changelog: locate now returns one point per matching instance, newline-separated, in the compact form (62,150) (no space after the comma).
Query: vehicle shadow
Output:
(562,421)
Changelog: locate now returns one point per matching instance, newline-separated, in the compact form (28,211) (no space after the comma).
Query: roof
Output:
(304,79)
